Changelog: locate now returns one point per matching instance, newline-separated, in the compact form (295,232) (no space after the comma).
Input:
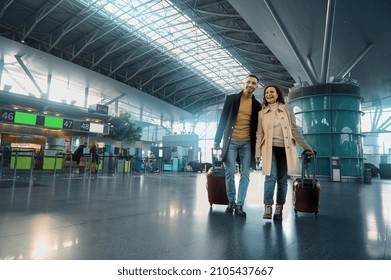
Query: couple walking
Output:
(253,132)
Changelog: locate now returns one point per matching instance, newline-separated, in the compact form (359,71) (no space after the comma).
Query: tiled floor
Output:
(167,216)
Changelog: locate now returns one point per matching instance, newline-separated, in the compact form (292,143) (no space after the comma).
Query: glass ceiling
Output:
(161,24)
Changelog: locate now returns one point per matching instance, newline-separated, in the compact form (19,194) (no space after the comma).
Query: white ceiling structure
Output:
(339,38)
(283,42)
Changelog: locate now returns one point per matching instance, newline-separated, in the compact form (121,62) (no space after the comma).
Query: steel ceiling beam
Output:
(28,73)
(327,41)
(290,42)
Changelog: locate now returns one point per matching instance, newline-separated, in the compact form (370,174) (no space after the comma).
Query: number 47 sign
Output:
(67,124)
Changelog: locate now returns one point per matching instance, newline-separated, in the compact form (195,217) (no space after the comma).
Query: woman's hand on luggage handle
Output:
(310,152)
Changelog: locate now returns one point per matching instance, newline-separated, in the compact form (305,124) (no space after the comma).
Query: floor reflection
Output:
(168,216)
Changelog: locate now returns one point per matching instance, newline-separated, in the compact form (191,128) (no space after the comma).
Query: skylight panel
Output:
(161,23)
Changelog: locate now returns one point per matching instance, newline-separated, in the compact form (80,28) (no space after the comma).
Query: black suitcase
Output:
(306,190)
(215,180)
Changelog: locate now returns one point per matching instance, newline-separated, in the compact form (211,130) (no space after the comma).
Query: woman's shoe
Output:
(278,212)
(268,212)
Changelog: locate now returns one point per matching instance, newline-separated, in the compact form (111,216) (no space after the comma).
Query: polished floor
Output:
(167,216)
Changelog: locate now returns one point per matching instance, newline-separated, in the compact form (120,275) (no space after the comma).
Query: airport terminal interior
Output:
(145,83)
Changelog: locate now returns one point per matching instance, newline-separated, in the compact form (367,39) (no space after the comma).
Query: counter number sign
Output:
(67,124)
(85,126)
(7,116)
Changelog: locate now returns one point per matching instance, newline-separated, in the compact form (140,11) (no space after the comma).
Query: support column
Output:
(48,85)
(86,97)
(330,116)
(1,69)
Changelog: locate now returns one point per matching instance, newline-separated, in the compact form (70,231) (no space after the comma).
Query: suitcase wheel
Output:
(210,204)
(296,211)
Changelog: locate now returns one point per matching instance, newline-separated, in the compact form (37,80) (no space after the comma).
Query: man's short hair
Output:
(252,76)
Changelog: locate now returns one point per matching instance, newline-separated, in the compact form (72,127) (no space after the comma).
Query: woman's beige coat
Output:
(292,135)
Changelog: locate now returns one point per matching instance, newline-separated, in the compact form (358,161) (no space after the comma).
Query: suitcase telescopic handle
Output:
(306,159)
(215,154)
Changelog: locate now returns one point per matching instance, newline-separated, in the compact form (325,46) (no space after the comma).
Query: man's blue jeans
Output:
(277,175)
(243,149)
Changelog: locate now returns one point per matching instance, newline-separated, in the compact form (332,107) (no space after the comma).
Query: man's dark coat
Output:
(228,119)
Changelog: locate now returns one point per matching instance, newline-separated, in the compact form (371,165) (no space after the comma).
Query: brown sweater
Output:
(241,131)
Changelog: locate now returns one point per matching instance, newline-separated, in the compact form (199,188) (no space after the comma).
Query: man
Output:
(238,124)
(79,153)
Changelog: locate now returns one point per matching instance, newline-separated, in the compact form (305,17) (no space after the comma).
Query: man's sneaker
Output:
(230,207)
(268,212)
(239,211)
(278,213)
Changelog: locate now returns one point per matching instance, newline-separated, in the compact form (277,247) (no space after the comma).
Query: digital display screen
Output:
(103,109)
(25,118)
(55,122)
(96,127)
(99,108)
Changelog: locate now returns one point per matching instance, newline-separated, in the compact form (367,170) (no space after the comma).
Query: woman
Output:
(277,135)
(94,155)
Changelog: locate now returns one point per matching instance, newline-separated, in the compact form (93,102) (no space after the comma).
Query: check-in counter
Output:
(22,157)
(52,159)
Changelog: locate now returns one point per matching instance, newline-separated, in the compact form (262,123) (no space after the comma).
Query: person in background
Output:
(151,161)
(94,155)
(79,153)
(277,135)
(237,127)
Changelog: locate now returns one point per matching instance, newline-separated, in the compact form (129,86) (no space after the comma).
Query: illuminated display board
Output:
(25,118)
(96,127)
(99,108)
(22,118)
(54,122)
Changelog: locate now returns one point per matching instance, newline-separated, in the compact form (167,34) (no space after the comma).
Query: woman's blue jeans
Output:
(243,149)
(277,175)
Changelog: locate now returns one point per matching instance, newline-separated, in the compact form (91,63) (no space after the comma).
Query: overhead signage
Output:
(52,122)
(99,108)
(25,118)
(7,116)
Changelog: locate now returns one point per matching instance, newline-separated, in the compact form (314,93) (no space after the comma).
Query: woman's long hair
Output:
(94,143)
(280,97)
